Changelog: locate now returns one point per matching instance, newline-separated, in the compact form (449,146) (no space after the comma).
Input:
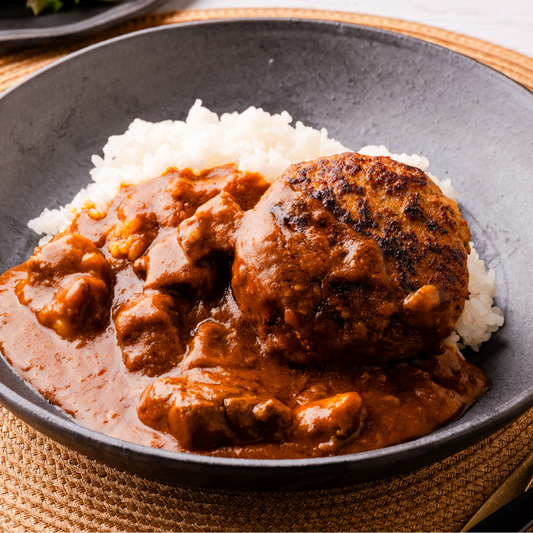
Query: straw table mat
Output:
(47,487)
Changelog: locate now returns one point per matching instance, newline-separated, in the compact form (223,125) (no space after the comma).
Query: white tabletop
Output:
(507,23)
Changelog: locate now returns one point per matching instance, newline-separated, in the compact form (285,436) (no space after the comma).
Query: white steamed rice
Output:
(257,142)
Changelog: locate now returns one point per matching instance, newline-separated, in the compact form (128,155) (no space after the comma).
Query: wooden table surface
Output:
(507,23)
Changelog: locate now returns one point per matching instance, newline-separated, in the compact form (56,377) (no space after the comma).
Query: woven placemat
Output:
(47,487)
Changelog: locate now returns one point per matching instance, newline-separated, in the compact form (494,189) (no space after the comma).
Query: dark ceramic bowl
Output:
(365,86)
(19,26)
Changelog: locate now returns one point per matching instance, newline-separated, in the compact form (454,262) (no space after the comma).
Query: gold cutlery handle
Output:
(518,482)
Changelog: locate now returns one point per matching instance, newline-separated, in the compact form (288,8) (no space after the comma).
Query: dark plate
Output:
(365,86)
(18,25)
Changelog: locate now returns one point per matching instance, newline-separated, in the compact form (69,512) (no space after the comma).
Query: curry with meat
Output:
(216,314)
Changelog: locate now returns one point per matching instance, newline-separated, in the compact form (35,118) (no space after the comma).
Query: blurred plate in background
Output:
(18,25)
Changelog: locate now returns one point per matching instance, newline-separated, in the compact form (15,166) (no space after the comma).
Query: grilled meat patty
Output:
(352,257)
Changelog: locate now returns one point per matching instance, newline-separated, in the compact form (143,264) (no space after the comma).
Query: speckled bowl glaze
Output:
(365,86)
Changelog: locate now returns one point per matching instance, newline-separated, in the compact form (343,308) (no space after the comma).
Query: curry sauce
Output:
(217,314)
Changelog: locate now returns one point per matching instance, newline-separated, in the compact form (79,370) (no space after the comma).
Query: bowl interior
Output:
(365,86)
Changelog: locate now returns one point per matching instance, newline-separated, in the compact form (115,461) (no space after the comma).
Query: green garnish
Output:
(38,5)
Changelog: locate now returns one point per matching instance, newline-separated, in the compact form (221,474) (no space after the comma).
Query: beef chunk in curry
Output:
(214,314)
(147,333)
(68,285)
(203,410)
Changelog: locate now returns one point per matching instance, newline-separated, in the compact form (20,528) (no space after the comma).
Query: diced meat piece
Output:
(186,191)
(212,228)
(329,422)
(317,391)
(160,202)
(130,239)
(180,198)
(170,199)
(166,265)
(68,285)
(209,347)
(216,345)
(137,224)
(422,307)
(201,415)
(254,420)
(81,303)
(94,222)
(147,334)
(196,418)
(247,189)
(68,254)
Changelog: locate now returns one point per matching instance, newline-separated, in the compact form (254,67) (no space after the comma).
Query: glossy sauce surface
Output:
(155,323)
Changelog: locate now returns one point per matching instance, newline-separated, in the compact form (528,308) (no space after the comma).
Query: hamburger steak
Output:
(352,256)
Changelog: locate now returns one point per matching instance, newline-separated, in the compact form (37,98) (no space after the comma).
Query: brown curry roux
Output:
(214,314)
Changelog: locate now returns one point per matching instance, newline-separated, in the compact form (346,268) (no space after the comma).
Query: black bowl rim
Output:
(430,448)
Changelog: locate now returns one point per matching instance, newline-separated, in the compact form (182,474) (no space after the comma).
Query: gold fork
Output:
(519,481)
